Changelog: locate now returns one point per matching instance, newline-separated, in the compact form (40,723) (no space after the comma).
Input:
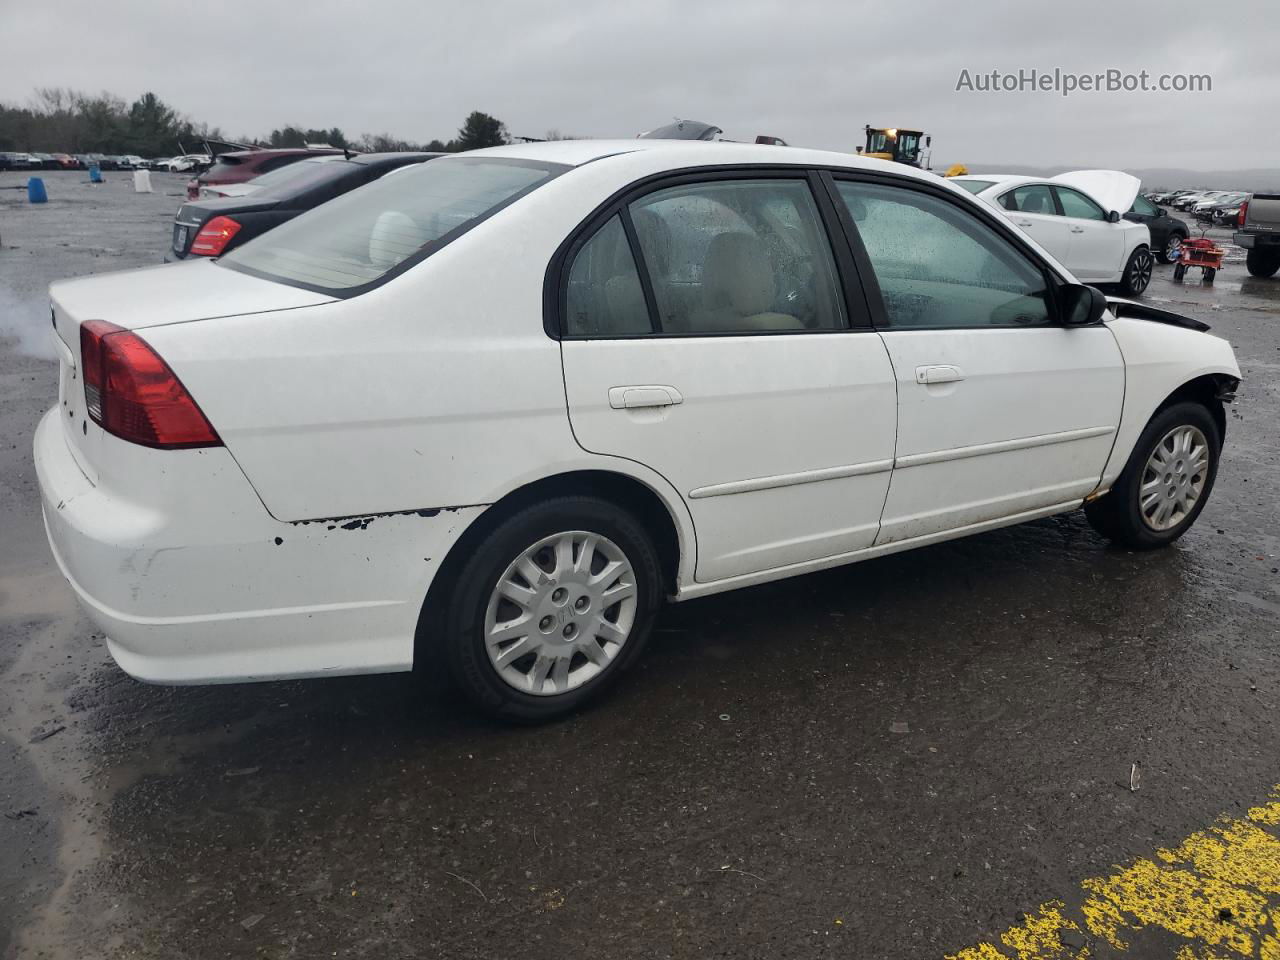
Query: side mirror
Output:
(1113,216)
(1082,305)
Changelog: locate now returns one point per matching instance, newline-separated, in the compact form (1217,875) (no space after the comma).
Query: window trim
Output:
(857,317)
(976,208)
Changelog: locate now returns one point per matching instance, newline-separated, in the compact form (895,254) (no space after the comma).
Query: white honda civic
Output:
(1078,218)
(489,412)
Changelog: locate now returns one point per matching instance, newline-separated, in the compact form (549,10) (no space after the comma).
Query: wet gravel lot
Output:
(894,759)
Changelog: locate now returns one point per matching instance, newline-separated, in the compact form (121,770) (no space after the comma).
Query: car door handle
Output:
(1077,229)
(939,373)
(1023,223)
(654,395)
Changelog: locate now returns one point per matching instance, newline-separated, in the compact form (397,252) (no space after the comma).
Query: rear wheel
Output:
(1209,274)
(1263,262)
(1172,249)
(552,607)
(1166,482)
(1179,272)
(1137,272)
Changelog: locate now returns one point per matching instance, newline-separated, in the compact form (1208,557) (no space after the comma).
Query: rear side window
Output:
(604,296)
(940,266)
(361,237)
(737,256)
(1030,198)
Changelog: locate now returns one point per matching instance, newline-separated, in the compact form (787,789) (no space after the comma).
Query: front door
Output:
(1001,412)
(1097,246)
(705,335)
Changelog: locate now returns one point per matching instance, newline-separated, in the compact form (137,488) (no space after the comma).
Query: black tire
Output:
(1137,272)
(1118,516)
(463,639)
(1179,272)
(1263,262)
(1170,252)
(1209,274)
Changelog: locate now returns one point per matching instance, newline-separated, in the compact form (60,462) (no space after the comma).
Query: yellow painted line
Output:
(1216,896)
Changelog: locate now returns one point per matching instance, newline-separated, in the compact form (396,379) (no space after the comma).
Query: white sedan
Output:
(489,412)
(1078,218)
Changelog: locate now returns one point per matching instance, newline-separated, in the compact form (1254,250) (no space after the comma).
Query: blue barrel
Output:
(36,192)
(95,173)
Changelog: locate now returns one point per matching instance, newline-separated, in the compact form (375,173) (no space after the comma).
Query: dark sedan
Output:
(1167,233)
(209,228)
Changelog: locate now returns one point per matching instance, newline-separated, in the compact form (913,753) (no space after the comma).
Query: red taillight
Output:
(1243,214)
(214,236)
(131,392)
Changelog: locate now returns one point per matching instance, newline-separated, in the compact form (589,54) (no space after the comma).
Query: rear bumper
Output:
(1251,240)
(204,586)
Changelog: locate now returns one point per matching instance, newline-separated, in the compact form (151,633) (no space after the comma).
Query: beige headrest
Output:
(738,275)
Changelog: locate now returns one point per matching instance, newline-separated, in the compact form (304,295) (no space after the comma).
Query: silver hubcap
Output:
(1174,478)
(560,613)
(1174,248)
(1141,272)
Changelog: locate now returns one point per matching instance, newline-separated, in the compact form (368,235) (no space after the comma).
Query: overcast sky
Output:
(812,73)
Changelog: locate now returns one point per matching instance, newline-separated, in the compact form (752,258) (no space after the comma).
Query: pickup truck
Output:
(1259,233)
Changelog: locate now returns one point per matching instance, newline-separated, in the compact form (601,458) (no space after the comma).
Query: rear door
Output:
(1001,411)
(1097,247)
(709,334)
(1034,211)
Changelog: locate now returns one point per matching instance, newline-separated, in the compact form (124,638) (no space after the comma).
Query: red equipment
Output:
(1199,252)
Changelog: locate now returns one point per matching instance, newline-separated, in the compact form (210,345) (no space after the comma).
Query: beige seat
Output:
(738,287)
(395,236)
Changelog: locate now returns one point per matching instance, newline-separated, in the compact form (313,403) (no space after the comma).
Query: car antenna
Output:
(346,153)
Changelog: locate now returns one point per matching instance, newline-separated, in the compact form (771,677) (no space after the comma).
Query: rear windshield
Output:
(973,186)
(353,242)
(304,174)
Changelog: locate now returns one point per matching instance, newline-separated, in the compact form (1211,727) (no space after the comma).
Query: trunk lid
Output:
(135,299)
(1114,189)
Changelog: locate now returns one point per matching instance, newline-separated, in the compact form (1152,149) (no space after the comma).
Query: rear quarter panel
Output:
(438,389)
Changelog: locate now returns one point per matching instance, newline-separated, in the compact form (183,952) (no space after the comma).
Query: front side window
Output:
(940,266)
(1076,204)
(347,243)
(604,297)
(1144,206)
(1030,198)
(738,256)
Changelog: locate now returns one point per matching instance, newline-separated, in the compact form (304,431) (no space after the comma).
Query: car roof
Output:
(1002,180)
(691,153)
(392,156)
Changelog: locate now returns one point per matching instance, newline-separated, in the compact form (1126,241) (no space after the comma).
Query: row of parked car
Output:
(193,162)
(1207,206)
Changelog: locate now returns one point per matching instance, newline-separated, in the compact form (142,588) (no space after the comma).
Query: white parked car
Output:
(490,411)
(1078,218)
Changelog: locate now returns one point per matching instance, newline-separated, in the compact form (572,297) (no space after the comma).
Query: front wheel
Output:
(1166,482)
(1137,272)
(551,608)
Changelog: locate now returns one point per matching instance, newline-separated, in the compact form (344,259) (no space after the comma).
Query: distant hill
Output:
(1259,179)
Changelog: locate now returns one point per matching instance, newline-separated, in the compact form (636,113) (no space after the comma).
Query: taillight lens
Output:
(131,392)
(1243,214)
(214,236)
